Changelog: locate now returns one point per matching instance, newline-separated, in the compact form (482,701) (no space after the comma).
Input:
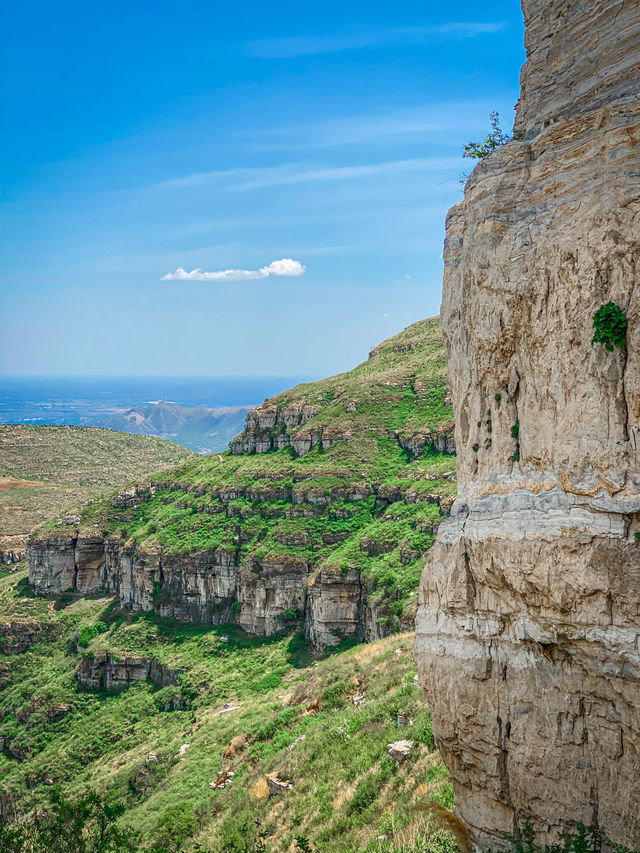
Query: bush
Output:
(87,825)
(366,793)
(583,840)
(239,833)
(176,825)
(89,633)
(610,326)
(423,730)
(494,139)
(370,785)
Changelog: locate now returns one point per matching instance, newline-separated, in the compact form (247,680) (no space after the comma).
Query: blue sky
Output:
(143,137)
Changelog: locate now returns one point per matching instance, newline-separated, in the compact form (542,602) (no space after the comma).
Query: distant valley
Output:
(199,428)
(203,414)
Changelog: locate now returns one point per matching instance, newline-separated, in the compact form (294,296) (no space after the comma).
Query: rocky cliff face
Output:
(215,587)
(528,633)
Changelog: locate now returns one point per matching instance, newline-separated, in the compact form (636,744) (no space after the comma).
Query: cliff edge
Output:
(528,631)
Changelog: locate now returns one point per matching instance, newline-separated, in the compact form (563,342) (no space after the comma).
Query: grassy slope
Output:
(67,464)
(346,791)
(399,391)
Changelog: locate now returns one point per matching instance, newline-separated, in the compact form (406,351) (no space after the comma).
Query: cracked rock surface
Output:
(528,632)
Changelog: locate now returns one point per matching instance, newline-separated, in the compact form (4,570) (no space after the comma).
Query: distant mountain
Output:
(203,430)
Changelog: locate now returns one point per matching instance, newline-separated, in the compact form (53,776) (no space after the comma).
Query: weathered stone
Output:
(276,785)
(106,672)
(296,743)
(16,637)
(527,637)
(212,587)
(400,750)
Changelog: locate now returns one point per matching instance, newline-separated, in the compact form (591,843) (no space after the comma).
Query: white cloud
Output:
(283,267)
(289,47)
(295,173)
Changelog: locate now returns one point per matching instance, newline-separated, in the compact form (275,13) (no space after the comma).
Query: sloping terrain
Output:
(190,727)
(319,517)
(43,469)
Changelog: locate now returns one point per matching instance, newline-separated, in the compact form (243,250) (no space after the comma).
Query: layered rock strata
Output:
(528,632)
(112,674)
(211,587)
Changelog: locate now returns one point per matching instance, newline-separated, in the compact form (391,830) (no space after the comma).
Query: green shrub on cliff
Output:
(610,326)
(494,139)
(583,840)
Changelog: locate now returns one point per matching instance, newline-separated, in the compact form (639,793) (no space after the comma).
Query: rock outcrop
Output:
(112,674)
(528,633)
(333,491)
(17,637)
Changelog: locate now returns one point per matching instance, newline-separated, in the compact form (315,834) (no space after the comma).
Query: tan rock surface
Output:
(528,633)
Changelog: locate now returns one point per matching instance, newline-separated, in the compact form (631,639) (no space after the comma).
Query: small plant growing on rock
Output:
(610,326)
(515,433)
(583,840)
(494,139)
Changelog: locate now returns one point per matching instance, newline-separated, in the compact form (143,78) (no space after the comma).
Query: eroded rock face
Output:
(106,672)
(212,587)
(17,637)
(528,633)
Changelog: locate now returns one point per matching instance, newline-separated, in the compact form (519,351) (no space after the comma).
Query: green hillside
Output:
(43,469)
(202,737)
(249,706)
(367,496)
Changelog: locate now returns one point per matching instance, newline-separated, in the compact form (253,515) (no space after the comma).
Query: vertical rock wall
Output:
(528,633)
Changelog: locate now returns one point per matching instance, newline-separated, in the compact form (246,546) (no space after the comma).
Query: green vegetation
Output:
(515,434)
(583,840)
(610,326)
(494,139)
(286,714)
(89,632)
(188,756)
(43,469)
(87,825)
(369,502)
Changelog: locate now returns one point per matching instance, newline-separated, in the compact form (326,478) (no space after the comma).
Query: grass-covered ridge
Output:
(44,469)
(322,725)
(369,502)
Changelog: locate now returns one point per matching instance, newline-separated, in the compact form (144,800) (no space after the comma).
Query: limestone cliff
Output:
(528,633)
